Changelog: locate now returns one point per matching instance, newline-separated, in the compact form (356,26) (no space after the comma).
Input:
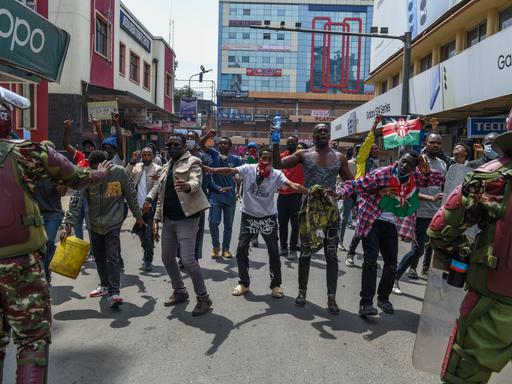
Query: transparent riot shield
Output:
(440,310)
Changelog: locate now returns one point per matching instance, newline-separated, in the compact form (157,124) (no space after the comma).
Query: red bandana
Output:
(264,169)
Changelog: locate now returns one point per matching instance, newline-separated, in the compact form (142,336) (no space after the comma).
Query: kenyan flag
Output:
(400,130)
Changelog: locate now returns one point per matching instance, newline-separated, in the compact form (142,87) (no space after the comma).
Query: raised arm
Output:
(287,162)
(96,129)
(209,135)
(119,137)
(68,123)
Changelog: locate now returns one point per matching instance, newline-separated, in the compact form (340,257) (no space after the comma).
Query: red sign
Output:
(272,72)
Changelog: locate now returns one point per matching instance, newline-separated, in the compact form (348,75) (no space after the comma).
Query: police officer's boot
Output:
(32,367)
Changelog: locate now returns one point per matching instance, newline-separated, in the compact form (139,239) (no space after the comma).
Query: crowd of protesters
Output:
(288,197)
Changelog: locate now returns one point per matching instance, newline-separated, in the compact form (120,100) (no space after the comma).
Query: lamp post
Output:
(405,38)
(200,74)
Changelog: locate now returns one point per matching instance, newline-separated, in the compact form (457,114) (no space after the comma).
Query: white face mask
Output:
(489,152)
(191,144)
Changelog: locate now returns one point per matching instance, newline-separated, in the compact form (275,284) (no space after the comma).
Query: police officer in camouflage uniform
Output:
(481,342)
(24,297)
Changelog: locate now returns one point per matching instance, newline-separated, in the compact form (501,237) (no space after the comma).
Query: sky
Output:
(195,34)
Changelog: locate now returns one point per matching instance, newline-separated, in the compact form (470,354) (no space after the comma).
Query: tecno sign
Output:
(19,32)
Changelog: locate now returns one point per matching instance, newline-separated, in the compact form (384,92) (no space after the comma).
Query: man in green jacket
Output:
(106,217)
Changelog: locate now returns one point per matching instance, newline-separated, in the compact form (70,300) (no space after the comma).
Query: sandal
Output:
(277,293)
(240,290)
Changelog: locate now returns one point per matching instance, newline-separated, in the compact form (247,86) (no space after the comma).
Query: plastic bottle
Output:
(276,133)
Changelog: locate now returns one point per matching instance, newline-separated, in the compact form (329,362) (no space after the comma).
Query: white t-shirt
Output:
(142,191)
(258,200)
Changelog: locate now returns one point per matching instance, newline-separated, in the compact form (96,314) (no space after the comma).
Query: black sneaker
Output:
(367,310)
(412,274)
(386,306)
(300,301)
(147,266)
(202,306)
(283,252)
(332,307)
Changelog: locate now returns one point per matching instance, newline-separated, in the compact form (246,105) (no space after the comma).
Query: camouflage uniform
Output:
(24,305)
(481,342)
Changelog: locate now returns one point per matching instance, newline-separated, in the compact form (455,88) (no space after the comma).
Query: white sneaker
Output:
(341,247)
(98,292)
(349,261)
(115,301)
(396,289)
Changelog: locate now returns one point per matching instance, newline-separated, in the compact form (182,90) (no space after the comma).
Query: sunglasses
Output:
(175,145)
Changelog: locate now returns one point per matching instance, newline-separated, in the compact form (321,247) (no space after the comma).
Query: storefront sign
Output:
(271,72)
(30,42)
(266,117)
(234,116)
(320,112)
(134,31)
(243,23)
(102,110)
(239,94)
(479,127)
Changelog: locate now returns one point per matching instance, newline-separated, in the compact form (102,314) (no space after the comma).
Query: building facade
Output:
(112,57)
(460,66)
(307,77)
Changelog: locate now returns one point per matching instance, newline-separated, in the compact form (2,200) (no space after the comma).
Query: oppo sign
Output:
(20,33)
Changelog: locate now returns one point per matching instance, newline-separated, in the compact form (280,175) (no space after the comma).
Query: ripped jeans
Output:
(331,259)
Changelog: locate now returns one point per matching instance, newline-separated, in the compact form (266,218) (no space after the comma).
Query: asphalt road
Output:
(251,339)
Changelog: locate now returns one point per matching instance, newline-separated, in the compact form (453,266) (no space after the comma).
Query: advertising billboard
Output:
(188,112)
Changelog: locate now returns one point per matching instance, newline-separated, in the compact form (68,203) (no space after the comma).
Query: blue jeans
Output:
(51,226)
(218,211)
(412,257)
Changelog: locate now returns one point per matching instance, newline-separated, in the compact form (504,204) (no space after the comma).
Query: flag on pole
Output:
(400,130)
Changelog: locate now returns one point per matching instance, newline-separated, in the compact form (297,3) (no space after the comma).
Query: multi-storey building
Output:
(308,78)
(460,66)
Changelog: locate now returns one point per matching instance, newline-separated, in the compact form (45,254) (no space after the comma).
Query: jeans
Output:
(353,245)
(384,237)
(218,211)
(52,222)
(288,207)
(200,237)
(106,253)
(331,259)
(83,215)
(348,205)
(267,227)
(412,257)
(182,234)
(147,241)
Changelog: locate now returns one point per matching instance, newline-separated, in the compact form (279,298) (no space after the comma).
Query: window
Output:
(281,12)
(448,50)
(27,118)
(168,85)
(426,63)
(134,67)
(266,36)
(396,80)
(246,35)
(147,76)
(279,60)
(122,59)
(232,11)
(280,36)
(247,12)
(384,87)
(29,3)
(102,36)
(266,60)
(245,59)
(231,59)
(267,12)
(505,18)
(265,83)
(476,35)
(232,35)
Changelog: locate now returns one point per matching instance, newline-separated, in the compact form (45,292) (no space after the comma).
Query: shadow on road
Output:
(132,280)
(372,328)
(157,271)
(211,323)
(63,293)
(120,317)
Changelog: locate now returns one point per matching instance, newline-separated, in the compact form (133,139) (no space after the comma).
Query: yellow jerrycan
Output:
(69,257)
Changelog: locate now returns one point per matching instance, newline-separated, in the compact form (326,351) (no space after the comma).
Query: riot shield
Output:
(440,310)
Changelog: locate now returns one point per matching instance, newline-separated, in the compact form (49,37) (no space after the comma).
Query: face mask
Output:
(292,147)
(191,144)
(175,152)
(489,152)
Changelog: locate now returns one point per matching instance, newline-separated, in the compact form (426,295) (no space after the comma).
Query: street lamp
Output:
(200,74)
(405,39)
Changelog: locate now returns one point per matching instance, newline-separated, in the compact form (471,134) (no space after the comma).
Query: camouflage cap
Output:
(503,143)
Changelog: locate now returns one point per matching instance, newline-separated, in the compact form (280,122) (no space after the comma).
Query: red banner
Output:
(272,72)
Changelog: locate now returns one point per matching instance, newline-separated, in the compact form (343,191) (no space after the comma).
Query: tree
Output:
(185,91)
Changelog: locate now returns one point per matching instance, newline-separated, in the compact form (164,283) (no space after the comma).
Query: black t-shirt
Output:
(172,205)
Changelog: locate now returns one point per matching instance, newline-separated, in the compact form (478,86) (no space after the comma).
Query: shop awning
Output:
(30,44)
(127,99)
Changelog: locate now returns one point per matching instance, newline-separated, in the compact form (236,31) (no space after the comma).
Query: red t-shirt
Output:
(80,159)
(295,175)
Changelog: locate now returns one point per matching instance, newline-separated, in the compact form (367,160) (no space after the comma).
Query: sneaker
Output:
(367,310)
(202,306)
(176,298)
(332,307)
(226,254)
(215,252)
(254,242)
(412,274)
(283,252)
(386,306)
(147,266)
(349,261)
(300,301)
(425,272)
(341,247)
(351,226)
(292,255)
(396,289)
(90,258)
(98,292)
(115,301)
